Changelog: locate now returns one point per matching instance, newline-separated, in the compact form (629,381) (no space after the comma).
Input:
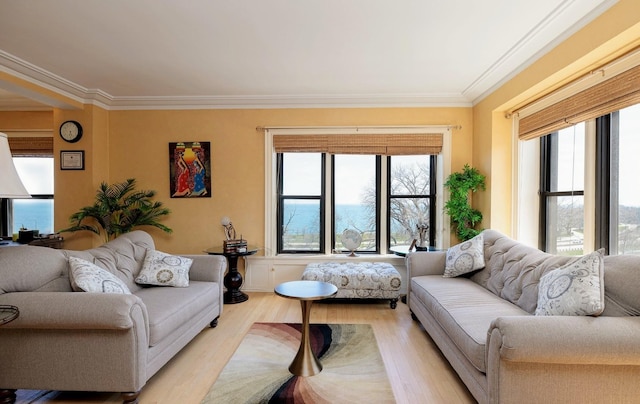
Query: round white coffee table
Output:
(306,362)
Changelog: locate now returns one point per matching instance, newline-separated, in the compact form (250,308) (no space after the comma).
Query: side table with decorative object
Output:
(403,250)
(233,279)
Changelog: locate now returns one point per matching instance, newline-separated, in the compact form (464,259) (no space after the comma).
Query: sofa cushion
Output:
(170,308)
(30,269)
(122,256)
(162,269)
(465,257)
(576,289)
(513,269)
(86,276)
(464,310)
(622,283)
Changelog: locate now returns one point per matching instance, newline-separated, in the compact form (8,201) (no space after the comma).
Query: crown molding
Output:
(45,79)
(473,90)
(26,71)
(288,101)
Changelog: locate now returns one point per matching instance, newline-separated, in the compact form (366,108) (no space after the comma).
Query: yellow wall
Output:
(134,144)
(614,33)
(139,142)
(25,121)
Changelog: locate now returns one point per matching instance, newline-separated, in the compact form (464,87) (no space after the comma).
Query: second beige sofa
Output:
(485,326)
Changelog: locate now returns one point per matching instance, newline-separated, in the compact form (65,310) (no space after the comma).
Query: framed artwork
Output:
(190,169)
(72,159)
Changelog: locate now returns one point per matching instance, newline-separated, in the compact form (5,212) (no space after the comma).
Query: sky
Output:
(30,171)
(573,137)
(629,156)
(354,175)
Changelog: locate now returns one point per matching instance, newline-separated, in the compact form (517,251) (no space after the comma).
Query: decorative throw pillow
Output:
(88,277)
(465,257)
(162,269)
(576,289)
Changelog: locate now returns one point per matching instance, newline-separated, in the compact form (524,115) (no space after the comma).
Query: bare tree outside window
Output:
(409,198)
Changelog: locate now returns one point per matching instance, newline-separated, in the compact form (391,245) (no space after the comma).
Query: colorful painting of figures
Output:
(190,169)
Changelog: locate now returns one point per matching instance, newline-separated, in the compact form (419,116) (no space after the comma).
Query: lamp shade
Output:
(10,184)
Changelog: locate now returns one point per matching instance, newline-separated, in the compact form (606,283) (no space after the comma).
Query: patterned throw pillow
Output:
(576,289)
(88,277)
(162,269)
(465,257)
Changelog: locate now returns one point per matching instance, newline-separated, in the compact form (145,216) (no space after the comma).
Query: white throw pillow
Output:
(465,257)
(576,289)
(86,276)
(162,269)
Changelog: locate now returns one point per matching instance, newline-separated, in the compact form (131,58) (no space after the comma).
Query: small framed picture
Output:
(72,159)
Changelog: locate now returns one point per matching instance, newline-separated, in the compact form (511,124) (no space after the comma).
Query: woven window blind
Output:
(31,146)
(620,91)
(385,144)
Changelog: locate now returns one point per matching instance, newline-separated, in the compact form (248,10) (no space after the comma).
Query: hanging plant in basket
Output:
(463,217)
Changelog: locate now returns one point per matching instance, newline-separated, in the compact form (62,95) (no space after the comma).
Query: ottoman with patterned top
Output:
(358,280)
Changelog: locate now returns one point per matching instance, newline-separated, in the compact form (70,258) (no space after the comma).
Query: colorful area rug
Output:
(353,371)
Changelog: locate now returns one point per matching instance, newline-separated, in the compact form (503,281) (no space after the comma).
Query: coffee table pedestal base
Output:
(306,362)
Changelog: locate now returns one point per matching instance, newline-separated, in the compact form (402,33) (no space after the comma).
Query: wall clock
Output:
(71,131)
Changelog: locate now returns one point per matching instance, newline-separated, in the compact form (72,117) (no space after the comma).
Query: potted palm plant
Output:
(119,208)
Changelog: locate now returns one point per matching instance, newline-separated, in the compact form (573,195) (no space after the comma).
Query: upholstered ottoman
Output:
(358,280)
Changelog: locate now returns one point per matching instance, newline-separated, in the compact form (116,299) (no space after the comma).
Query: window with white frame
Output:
(380,189)
(562,191)
(590,127)
(565,162)
(35,213)
(33,159)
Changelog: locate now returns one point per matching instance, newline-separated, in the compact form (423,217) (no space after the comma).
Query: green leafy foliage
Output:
(119,208)
(463,217)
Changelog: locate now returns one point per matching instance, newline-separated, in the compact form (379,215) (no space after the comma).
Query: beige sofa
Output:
(76,341)
(485,326)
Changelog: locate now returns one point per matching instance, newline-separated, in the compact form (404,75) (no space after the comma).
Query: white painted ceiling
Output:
(277,53)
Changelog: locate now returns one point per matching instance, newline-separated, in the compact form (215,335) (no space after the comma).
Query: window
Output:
(613,162)
(619,210)
(36,213)
(412,198)
(562,191)
(301,202)
(356,184)
(356,189)
(321,181)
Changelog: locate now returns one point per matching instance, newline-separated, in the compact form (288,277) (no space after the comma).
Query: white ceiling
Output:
(277,53)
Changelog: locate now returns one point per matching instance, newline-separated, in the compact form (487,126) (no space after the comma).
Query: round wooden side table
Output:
(233,279)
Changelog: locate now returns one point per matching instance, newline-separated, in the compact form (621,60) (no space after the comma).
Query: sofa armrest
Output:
(76,311)
(537,359)
(207,268)
(75,341)
(425,263)
(565,340)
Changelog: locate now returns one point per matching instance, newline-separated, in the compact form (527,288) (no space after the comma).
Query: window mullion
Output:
(327,204)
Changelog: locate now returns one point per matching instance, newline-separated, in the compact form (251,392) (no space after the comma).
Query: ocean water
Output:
(34,214)
(302,218)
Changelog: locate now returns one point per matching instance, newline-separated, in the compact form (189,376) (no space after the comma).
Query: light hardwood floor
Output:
(417,370)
